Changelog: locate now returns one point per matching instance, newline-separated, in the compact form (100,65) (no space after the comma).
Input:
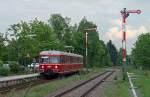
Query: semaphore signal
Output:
(125,13)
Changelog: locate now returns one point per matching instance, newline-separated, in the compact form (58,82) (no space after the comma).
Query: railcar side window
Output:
(54,59)
(62,59)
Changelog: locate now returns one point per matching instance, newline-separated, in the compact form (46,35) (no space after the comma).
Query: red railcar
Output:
(58,62)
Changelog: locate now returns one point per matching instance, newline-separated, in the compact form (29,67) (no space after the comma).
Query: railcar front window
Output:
(54,59)
(44,59)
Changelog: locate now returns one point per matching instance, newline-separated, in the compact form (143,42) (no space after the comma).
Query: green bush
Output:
(4,71)
(1,63)
(14,67)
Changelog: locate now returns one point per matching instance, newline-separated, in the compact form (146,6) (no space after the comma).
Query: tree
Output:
(62,28)
(27,39)
(12,48)
(97,51)
(2,46)
(78,42)
(113,52)
(141,51)
(15,29)
(31,38)
(59,24)
(119,60)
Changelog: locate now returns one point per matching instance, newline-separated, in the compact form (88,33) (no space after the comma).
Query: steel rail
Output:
(79,85)
(96,85)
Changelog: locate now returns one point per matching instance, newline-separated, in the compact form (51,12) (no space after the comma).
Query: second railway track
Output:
(24,85)
(85,87)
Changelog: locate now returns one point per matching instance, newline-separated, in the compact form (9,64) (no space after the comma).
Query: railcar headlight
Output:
(42,67)
(56,66)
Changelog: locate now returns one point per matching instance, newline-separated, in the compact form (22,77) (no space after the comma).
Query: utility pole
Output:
(86,42)
(125,13)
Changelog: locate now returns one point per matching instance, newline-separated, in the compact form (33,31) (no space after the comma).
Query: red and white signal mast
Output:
(125,13)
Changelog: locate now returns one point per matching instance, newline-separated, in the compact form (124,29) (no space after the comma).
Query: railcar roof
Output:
(58,53)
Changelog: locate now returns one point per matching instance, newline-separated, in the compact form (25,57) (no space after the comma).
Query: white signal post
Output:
(86,42)
(125,13)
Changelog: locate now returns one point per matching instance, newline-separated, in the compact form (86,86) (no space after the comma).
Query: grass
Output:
(143,82)
(118,89)
(121,88)
(45,89)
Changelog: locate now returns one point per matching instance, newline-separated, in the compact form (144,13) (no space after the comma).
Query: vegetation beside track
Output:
(142,82)
(118,89)
(28,38)
(45,89)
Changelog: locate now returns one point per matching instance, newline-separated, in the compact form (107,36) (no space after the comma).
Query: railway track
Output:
(24,85)
(17,82)
(84,88)
(27,84)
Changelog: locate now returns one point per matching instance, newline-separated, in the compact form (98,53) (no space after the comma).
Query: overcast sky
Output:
(105,13)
